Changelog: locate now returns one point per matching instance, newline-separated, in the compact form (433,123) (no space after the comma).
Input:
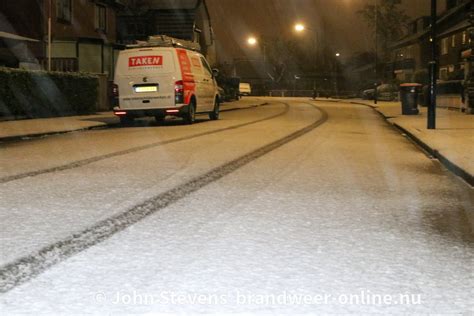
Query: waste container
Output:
(409,97)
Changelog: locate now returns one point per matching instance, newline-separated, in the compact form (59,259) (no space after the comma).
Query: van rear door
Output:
(146,78)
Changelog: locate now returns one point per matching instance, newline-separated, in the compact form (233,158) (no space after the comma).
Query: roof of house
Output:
(413,38)
(458,27)
(11,36)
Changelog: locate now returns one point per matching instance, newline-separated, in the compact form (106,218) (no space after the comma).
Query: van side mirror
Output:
(215,72)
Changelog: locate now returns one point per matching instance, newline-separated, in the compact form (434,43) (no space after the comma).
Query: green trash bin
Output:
(409,98)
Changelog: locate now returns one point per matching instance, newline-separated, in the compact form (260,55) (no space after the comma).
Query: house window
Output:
(464,38)
(443,73)
(453,40)
(444,46)
(100,17)
(409,52)
(64,10)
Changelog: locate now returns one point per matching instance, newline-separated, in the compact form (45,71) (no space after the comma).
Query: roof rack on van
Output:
(166,41)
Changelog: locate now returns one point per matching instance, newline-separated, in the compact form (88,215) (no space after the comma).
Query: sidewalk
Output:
(452,142)
(22,129)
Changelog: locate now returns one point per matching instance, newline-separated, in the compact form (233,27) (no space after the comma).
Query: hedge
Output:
(46,94)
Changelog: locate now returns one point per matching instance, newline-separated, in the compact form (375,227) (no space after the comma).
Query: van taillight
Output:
(115,91)
(179,92)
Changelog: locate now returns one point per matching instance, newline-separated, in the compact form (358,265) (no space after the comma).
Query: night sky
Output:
(335,20)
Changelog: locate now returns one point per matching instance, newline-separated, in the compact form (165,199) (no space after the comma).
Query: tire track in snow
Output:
(28,267)
(80,163)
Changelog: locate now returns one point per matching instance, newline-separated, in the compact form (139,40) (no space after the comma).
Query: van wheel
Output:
(126,120)
(214,115)
(190,116)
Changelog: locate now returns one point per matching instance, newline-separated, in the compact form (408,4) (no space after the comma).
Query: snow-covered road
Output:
(334,219)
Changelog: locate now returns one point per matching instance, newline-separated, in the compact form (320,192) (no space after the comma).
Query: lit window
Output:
(453,40)
(444,46)
(443,73)
(464,38)
(64,10)
(101,17)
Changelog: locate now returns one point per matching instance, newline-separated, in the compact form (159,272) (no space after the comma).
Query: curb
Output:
(15,138)
(40,135)
(448,164)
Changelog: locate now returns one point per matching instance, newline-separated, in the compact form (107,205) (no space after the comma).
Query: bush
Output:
(46,94)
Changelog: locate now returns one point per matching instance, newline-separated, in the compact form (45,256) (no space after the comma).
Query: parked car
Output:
(230,85)
(368,94)
(385,92)
(244,88)
(158,79)
(388,92)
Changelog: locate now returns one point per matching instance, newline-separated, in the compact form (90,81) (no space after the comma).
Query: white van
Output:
(244,88)
(161,81)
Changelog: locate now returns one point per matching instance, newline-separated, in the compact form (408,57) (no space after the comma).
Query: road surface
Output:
(293,207)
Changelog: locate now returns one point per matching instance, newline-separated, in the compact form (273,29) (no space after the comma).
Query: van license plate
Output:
(146,89)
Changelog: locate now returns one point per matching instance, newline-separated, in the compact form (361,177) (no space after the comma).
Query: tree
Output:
(279,55)
(391,20)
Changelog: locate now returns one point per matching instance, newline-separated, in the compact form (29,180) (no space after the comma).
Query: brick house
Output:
(184,19)
(83,33)
(411,54)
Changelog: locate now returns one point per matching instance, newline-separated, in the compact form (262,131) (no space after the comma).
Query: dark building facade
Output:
(411,54)
(21,19)
(83,34)
(183,19)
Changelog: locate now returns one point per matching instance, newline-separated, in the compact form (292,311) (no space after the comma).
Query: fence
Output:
(61,64)
(311,93)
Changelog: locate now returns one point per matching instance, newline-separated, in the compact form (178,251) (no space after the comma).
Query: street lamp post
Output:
(336,74)
(297,77)
(433,69)
(299,28)
(252,41)
(376,58)
(50,11)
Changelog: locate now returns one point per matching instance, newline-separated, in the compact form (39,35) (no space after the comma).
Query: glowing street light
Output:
(252,41)
(299,27)
(338,54)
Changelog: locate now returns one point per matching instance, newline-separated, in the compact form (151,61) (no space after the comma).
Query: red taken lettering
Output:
(145,61)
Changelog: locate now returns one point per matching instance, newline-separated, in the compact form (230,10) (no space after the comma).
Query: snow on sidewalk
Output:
(46,126)
(451,141)
(453,137)
(43,126)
